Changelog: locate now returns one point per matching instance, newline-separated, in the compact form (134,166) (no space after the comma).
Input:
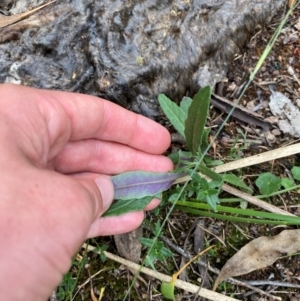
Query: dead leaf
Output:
(199,244)
(129,245)
(8,20)
(93,297)
(259,253)
(240,113)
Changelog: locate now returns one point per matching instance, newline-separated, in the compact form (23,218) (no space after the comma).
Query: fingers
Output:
(100,188)
(152,205)
(92,117)
(107,158)
(116,224)
(120,224)
(103,226)
(46,216)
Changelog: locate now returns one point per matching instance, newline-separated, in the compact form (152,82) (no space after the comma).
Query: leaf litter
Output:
(260,253)
(9,20)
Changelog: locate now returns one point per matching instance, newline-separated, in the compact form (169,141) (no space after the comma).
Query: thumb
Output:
(100,191)
(106,188)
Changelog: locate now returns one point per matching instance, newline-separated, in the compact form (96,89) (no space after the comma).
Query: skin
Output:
(57,150)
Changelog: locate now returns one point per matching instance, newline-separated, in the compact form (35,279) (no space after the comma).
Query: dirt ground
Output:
(280,71)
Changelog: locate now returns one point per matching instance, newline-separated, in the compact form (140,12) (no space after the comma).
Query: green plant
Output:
(269,184)
(156,248)
(189,119)
(167,288)
(201,193)
(69,283)
(192,162)
(134,190)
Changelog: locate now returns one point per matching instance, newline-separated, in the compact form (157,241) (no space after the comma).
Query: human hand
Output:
(56,152)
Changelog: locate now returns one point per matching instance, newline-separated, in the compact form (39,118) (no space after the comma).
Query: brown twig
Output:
(256,159)
(8,20)
(205,293)
(216,271)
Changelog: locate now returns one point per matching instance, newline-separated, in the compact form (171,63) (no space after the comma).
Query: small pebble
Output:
(270,137)
(276,132)
(271,119)
(290,70)
(231,87)
(275,72)
(250,105)
(240,154)
(224,141)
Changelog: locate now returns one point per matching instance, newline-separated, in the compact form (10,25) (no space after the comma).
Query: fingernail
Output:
(107,190)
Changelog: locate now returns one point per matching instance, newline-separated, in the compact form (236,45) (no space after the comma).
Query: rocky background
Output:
(128,51)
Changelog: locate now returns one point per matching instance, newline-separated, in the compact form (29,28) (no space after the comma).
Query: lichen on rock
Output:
(128,51)
(288,114)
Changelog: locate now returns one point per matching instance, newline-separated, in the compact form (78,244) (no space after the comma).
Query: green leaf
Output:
(125,206)
(196,119)
(201,195)
(157,229)
(287,183)
(166,252)
(205,143)
(253,214)
(147,242)
(167,290)
(296,172)
(150,260)
(204,184)
(185,104)
(181,160)
(194,175)
(139,184)
(162,252)
(174,157)
(212,201)
(244,204)
(211,162)
(173,112)
(210,173)
(268,183)
(236,181)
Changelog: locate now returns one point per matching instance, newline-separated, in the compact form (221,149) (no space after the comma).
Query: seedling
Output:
(134,190)
(268,184)
(189,119)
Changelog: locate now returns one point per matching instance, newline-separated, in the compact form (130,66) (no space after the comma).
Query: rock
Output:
(270,137)
(276,132)
(128,51)
(288,114)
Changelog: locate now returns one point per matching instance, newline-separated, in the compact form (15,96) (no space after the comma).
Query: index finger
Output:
(93,117)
